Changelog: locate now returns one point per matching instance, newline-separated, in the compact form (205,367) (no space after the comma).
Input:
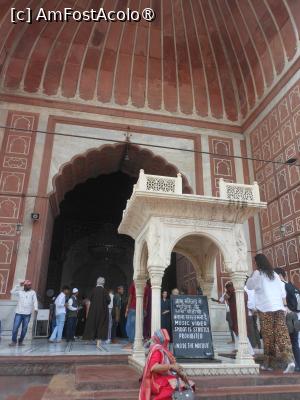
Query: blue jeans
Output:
(20,319)
(58,330)
(53,325)
(130,325)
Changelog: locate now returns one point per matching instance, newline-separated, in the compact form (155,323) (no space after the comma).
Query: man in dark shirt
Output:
(291,301)
(72,311)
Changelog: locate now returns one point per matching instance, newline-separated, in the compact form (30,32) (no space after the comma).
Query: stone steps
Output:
(63,387)
(274,392)
(106,377)
(23,387)
(264,379)
(34,393)
(108,380)
(41,365)
(130,394)
(121,382)
(275,386)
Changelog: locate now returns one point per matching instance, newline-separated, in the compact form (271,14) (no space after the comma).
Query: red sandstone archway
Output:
(94,162)
(106,160)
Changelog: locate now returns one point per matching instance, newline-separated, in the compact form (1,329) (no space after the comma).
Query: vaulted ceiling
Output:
(209,59)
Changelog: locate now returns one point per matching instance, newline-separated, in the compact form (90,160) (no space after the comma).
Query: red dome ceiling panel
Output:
(212,59)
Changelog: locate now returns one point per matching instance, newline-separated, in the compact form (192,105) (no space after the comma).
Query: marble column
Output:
(243,355)
(138,348)
(156,274)
(207,285)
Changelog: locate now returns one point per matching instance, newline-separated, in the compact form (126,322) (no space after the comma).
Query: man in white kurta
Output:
(27,302)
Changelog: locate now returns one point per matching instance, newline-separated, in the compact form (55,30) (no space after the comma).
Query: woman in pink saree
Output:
(158,382)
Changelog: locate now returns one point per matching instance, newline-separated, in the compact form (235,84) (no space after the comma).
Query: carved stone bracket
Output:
(139,286)
(238,279)
(156,274)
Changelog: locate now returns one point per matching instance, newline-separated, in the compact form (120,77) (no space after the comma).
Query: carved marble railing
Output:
(159,184)
(239,191)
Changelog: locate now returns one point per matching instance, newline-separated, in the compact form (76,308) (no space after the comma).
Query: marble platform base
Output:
(226,367)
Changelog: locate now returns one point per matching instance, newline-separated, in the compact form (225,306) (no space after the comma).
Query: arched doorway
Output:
(89,196)
(180,274)
(85,242)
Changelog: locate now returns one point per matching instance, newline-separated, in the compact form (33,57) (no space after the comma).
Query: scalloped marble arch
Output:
(202,261)
(201,253)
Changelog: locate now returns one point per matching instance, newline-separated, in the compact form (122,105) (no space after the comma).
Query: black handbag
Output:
(187,393)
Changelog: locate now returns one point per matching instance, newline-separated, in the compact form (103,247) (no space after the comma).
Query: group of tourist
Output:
(95,318)
(272,302)
(104,313)
(101,317)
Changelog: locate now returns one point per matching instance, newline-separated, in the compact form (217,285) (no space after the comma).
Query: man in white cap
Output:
(27,301)
(72,311)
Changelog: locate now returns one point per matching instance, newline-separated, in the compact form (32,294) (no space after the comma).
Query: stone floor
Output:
(41,347)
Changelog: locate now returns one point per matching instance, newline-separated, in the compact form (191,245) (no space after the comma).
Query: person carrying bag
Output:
(185,391)
(162,377)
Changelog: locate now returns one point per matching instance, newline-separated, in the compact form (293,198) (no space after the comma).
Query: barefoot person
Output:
(96,326)
(27,301)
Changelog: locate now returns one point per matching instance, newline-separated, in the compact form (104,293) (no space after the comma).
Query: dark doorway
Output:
(85,242)
(169,280)
(180,274)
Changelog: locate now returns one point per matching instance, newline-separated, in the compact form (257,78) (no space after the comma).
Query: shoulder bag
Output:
(187,394)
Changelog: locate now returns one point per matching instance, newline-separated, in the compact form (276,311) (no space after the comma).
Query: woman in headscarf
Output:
(159,376)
